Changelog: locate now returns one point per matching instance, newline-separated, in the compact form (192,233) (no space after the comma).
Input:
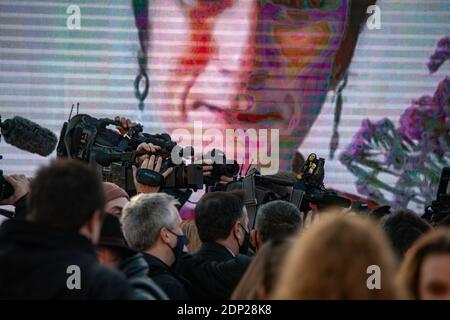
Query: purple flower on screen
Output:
(357,148)
(424,115)
(412,153)
(441,54)
(442,96)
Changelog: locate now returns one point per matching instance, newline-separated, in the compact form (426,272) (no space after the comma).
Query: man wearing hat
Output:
(116,198)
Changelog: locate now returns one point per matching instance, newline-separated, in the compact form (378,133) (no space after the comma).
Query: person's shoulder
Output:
(106,283)
(145,288)
(166,278)
(242,260)
(238,263)
(172,286)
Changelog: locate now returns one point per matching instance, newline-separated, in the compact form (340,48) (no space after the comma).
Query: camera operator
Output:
(39,257)
(222,223)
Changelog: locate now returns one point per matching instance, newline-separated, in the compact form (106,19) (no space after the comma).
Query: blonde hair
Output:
(190,231)
(258,281)
(330,260)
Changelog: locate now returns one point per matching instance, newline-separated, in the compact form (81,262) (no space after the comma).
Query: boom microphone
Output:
(28,136)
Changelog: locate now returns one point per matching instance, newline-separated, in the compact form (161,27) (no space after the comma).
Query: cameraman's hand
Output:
(207,167)
(21,186)
(125,124)
(225,179)
(149,163)
(146,147)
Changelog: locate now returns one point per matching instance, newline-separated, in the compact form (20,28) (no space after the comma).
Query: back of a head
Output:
(331,259)
(145,215)
(65,195)
(277,219)
(403,228)
(217,212)
(436,241)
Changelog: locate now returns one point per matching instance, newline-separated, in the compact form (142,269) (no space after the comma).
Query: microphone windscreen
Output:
(29,136)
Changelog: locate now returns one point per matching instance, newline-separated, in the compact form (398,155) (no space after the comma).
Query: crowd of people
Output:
(69,224)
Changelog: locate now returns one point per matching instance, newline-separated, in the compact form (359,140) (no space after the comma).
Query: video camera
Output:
(303,191)
(113,154)
(440,208)
(28,136)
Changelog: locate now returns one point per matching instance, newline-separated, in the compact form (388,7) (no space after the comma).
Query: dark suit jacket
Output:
(213,272)
(212,251)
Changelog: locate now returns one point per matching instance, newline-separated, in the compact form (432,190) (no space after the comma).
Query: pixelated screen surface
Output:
(379,115)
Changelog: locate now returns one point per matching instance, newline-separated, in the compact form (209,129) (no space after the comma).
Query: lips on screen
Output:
(243,63)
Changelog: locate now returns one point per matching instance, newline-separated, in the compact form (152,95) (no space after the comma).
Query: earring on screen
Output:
(338,100)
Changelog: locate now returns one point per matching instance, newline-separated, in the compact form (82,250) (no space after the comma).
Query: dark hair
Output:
(65,195)
(217,212)
(277,219)
(403,228)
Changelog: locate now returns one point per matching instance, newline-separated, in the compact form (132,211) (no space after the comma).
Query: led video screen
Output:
(361,83)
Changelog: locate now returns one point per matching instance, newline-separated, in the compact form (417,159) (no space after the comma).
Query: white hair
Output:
(145,215)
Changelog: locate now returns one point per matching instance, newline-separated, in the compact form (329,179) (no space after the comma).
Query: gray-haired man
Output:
(151,224)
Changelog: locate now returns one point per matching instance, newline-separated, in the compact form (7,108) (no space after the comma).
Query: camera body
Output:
(440,208)
(113,154)
(220,167)
(304,190)
(6,189)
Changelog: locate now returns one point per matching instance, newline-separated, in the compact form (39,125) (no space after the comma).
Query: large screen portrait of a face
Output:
(361,83)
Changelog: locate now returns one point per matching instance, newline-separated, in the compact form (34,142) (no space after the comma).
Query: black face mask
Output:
(182,240)
(243,248)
